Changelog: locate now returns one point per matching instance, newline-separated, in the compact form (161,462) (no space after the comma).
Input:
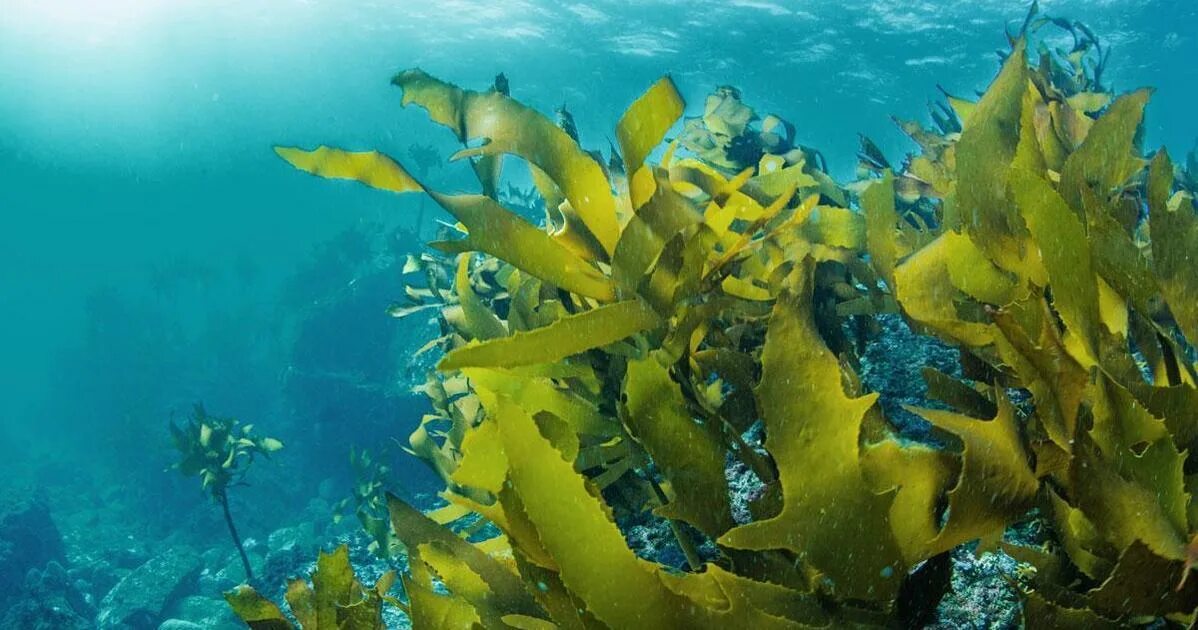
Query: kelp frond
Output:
(611,362)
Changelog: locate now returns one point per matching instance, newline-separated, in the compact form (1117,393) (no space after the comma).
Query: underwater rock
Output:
(744,486)
(287,538)
(290,549)
(223,569)
(94,575)
(140,598)
(202,612)
(129,557)
(892,364)
(179,624)
(982,595)
(48,600)
(29,539)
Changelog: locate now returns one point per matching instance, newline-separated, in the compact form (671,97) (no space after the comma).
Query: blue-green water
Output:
(154,252)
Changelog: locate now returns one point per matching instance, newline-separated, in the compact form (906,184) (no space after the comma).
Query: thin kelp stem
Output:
(245,560)
(693,560)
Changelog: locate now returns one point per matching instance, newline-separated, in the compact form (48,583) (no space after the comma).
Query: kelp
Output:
(610,362)
(368,501)
(334,600)
(220,450)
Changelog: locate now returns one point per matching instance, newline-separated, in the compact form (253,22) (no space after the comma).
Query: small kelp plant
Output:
(219,451)
(334,600)
(613,361)
(368,500)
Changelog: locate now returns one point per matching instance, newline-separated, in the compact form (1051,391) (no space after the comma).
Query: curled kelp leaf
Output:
(644,125)
(507,127)
(490,227)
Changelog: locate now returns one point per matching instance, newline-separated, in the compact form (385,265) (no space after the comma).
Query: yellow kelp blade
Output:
(541,394)
(1107,158)
(621,590)
(996,483)
(333,587)
(925,289)
(829,512)
(495,230)
(1144,583)
(645,123)
(961,107)
(491,227)
(256,611)
(429,610)
(481,467)
(594,563)
(1125,511)
(1174,246)
(1066,255)
(1041,614)
(1150,496)
(688,454)
(771,184)
(447,514)
(462,582)
(797,218)
(368,167)
(1030,343)
(481,322)
(984,155)
(1079,538)
(302,601)
(922,474)
(505,590)
(506,126)
(665,215)
(565,337)
(835,227)
(881,227)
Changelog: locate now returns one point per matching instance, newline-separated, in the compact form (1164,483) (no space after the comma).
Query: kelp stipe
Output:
(611,362)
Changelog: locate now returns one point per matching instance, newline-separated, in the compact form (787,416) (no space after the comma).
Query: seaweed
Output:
(368,498)
(219,451)
(335,599)
(611,362)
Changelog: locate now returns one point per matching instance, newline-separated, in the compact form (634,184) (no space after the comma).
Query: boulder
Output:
(300,537)
(206,612)
(28,540)
(140,599)
(47,601)
(223,570)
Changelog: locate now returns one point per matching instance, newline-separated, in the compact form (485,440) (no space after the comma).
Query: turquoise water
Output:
(155,252)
